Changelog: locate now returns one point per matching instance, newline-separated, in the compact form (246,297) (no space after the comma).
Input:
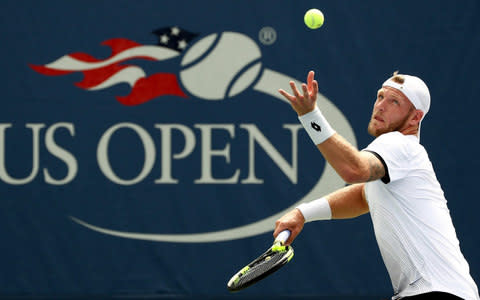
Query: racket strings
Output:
(263,266)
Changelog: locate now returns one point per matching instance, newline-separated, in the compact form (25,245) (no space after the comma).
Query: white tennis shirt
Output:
(412,223)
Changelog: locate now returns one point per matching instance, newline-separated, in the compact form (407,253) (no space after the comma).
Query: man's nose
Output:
(381,105)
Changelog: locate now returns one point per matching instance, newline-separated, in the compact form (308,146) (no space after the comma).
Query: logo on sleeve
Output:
(316,126)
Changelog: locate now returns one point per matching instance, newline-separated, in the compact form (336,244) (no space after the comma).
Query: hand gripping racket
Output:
(267,263)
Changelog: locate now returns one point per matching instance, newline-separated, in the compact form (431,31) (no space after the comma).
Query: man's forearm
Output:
(345,203)
(352,165)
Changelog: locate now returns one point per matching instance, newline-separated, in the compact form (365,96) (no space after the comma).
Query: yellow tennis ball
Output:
(313,18)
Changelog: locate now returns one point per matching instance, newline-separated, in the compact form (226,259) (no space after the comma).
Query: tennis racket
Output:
(273,259)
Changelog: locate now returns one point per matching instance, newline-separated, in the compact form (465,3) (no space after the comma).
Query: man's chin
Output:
(376,132)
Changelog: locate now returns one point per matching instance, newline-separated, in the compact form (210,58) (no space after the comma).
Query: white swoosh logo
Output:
(328,182)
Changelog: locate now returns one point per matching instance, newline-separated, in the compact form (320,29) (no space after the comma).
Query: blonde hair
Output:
(398,78)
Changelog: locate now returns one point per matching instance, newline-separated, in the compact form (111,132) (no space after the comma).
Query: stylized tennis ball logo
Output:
(219,67)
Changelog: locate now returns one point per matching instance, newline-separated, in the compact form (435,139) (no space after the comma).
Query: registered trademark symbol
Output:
(267,35)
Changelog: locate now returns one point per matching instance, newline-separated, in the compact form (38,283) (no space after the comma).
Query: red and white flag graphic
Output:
(104,73)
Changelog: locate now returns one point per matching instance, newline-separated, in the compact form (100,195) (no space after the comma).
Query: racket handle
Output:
(283,236)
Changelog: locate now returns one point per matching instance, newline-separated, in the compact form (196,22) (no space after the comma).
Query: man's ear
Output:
(417,117)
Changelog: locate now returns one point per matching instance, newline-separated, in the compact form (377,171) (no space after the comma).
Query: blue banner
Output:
(145,149)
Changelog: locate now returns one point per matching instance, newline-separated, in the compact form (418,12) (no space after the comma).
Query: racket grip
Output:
(283,236)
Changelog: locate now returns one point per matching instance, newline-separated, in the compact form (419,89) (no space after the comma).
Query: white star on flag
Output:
(164,39)
(182,44)
(175,30)
(174,37)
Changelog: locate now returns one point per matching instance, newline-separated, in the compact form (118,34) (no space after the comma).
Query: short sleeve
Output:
(392,149)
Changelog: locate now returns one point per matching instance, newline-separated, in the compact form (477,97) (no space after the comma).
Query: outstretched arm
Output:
(352,165)
(345,203)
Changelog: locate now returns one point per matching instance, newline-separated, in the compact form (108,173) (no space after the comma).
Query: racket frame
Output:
(278,246)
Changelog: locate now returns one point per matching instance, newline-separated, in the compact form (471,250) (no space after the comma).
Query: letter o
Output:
(104,162)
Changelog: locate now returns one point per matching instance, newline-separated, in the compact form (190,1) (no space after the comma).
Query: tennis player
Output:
(393,179)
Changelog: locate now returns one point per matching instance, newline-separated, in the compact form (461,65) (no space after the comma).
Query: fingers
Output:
(302,101)
(279,227)
(286,95)
(292,221)
(290,239)
(310,79)
(295,90)
(292,98)
(310,94)
(277,231)
(312,84)
(296,94)
(293,234)
(306,93)
(315,88)
(309,90)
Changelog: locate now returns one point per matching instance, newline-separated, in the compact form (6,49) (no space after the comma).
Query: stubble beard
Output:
(376,132)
